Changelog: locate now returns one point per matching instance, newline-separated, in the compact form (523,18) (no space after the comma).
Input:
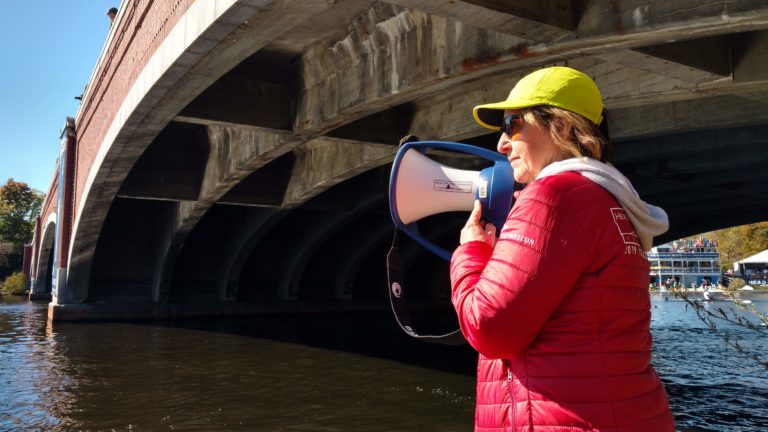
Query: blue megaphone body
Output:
(420,187)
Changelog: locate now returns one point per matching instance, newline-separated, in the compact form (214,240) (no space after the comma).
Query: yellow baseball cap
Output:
(557,86)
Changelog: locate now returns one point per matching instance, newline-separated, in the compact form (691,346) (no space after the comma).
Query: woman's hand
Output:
(476,230)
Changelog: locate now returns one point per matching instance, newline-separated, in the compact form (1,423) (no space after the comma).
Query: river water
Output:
(316,373)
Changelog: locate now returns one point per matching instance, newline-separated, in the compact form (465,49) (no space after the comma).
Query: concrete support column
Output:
(33,258)
(59,292)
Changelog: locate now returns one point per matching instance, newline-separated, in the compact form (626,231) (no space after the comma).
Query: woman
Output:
(558,307)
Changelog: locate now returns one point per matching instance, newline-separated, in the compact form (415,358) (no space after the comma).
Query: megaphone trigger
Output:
(407,139)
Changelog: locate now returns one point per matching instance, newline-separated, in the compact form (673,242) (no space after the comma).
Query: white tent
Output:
(761,257)
(754,268)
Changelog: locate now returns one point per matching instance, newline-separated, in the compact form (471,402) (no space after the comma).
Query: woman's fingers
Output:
(476,215)
(490,229)
(476,229)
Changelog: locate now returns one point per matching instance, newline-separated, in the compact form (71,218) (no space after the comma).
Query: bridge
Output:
(232,156)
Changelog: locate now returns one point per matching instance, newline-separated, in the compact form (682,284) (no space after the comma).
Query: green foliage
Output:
(10,259)
(19,207)
(739,242)
(16,283)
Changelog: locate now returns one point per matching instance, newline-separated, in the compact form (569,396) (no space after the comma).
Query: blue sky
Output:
(48,50)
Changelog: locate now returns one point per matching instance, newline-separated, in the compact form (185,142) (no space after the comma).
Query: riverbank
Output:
(21,294)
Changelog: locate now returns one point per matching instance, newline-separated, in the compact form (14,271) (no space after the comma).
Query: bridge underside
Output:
(265,191)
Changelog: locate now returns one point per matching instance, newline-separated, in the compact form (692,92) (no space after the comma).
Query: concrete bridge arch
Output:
(202,133)
(44,262)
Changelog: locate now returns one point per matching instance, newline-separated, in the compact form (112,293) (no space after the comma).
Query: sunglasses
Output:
(508,125)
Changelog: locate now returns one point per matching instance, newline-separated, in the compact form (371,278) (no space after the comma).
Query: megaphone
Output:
(420,187)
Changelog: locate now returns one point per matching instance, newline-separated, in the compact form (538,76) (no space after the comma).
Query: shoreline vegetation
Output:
(14,294)
(15,284)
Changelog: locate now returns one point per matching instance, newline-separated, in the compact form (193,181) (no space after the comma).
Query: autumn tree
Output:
(19,207)
(739,242)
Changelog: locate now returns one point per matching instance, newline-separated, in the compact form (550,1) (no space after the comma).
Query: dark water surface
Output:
(314,373)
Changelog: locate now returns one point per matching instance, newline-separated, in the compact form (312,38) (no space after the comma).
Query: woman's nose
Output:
(504,145)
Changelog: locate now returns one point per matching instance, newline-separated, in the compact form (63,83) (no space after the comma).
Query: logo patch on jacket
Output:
(626,230)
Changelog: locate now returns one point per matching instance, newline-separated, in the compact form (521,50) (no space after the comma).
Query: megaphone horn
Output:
(421,187)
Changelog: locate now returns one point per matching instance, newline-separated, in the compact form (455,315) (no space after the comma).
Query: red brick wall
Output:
(141,28)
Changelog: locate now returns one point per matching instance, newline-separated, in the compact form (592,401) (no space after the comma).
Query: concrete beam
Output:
(265,187)
(387,57)
(182,146)
(632,17)
(711,54)
(256,92)
(641,62)
(324,162)
(682,116)
(385,127)
(395,55)
(676,59)
(236,152)
(638,103)
(547,21)
(750,58)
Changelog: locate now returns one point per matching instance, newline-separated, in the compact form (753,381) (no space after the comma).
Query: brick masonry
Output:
(139,30)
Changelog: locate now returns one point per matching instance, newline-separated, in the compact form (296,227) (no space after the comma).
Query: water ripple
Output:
(313,374)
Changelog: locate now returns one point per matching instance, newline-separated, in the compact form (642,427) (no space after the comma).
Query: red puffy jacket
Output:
(560,314)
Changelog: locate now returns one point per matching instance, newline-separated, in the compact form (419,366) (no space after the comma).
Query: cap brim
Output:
(491,116)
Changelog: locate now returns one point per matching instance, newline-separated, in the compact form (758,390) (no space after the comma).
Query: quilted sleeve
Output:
(504,296)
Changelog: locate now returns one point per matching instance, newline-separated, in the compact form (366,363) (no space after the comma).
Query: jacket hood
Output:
(649,220)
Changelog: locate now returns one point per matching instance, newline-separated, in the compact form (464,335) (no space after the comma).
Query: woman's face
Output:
(528,147)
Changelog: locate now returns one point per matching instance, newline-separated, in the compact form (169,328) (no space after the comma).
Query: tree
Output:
(19,207)
(739,242)
(10,260)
